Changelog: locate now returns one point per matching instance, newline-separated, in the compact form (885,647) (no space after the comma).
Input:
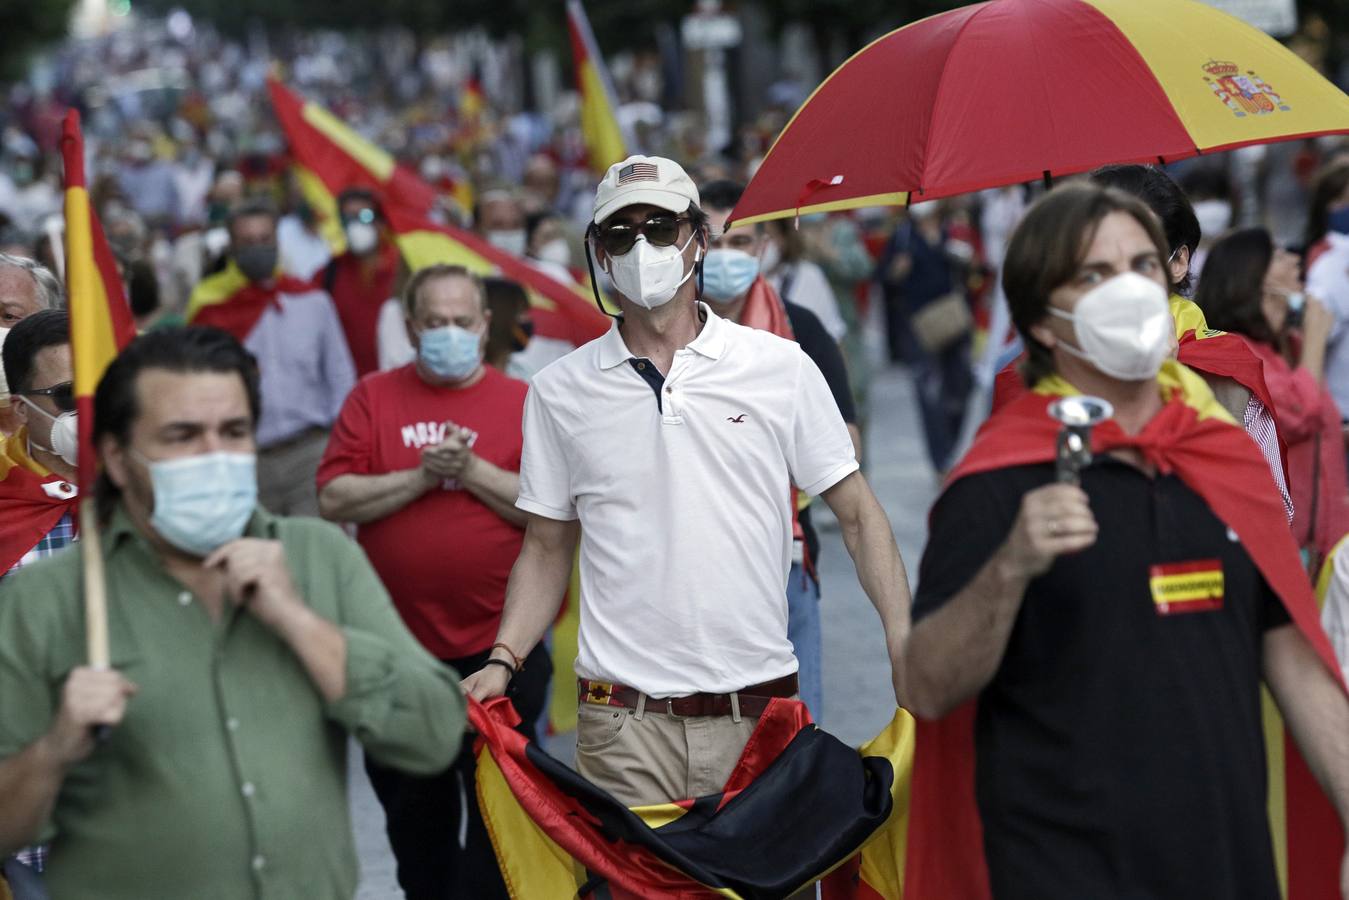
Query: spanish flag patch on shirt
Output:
(1184,587)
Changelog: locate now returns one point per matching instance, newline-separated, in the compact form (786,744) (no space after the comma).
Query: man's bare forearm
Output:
(880,569)
(1315,709)
(29,782)
(538,583)
(365,498)
(953,653)
(496,487)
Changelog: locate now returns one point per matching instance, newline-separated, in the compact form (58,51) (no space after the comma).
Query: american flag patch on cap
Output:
(639,171)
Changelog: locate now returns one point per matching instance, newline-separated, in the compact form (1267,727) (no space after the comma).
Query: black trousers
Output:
(434,826)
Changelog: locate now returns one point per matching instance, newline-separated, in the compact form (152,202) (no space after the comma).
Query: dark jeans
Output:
(943,382)
(435,828)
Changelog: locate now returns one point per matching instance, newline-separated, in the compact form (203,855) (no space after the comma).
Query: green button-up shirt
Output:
(227,778)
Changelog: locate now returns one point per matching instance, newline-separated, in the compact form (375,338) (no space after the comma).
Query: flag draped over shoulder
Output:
(604,139)
(798,804)
(34,500)
(764,310)
(330,157)
(100,319)
(229,301)
(1194,438)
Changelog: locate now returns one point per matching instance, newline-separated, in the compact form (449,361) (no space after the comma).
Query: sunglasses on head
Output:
(661,231)
(63,395)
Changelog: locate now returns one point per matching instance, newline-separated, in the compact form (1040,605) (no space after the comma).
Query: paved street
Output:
(858,697)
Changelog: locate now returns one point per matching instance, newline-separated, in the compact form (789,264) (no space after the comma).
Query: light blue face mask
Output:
(728,273)
(451,352)
(202,501)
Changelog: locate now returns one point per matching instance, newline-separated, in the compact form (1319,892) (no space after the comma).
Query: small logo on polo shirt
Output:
(737,419)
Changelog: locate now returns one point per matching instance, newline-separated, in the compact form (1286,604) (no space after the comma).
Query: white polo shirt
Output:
(686,521)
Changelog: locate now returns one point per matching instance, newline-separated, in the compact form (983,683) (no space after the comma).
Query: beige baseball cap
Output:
(652,180)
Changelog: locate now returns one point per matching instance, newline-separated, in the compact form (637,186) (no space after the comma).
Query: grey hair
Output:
(49,291)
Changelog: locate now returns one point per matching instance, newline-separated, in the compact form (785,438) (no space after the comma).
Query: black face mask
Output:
(256,261)
(521,333)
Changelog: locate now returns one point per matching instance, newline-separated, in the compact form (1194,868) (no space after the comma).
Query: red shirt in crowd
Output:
(445,557)
(359,288)
(1309,423)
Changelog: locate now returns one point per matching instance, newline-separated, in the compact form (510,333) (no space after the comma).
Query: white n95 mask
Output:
(649,276)
(1123,327)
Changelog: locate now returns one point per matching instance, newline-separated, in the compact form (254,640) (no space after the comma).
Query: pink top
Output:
(1309,423)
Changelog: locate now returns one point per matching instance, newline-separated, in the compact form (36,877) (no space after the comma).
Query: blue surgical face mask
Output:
(728,273)
(450,352)
(1337,220)
(203,501)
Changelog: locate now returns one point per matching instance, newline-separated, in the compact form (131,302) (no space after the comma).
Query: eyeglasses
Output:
(63,395)
(366,215)
(660,231)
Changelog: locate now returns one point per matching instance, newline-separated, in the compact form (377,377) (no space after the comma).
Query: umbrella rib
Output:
(937,97)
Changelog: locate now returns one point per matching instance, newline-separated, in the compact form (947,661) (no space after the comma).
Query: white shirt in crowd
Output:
(1328,281)
(806,286)
(686,521)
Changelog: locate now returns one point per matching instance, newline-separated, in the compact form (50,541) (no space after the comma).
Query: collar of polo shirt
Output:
(710,342)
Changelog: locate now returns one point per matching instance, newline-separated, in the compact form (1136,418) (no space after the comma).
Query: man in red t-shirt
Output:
(425,460)
(362,278)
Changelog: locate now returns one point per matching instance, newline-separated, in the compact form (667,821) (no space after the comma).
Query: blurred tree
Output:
(25,25)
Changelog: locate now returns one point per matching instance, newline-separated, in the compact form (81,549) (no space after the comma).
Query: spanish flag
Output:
(331,157)
(604,138)
(798,805)
(229,301)
(1196,439)
(100,319)
(34,500)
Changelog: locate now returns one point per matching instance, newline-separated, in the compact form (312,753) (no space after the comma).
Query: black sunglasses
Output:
(660,231)
(63,395)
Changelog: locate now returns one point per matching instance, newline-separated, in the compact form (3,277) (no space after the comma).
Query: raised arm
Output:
(953,653)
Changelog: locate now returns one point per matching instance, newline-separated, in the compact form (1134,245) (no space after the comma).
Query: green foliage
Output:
(25,27)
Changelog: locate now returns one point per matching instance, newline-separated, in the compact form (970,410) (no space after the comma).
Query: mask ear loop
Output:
(591,231)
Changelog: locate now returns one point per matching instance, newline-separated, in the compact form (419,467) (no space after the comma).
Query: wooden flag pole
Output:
(95,586)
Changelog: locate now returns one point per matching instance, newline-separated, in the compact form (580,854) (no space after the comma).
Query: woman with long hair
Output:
(1252,288)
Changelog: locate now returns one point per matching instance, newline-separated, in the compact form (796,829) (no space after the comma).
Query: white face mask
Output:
(555,251)
(650,276)
(512,241)
(65,436)
(1123,327)
(362,237)
(1214,217)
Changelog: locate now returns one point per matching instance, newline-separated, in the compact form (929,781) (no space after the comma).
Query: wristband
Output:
(502,663)
(519,661)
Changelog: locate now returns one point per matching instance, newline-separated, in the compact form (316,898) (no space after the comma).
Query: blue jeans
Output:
(803,630)
(24,883)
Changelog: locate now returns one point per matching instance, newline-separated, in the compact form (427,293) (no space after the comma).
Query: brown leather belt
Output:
(752,700)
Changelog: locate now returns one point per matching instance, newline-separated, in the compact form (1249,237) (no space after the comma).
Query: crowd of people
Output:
(468,471)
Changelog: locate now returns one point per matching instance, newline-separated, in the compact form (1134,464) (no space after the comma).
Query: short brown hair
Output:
(1049,245)
(419,279)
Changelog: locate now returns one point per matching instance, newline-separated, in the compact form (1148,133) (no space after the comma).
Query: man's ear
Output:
(1044,334)
(115,461)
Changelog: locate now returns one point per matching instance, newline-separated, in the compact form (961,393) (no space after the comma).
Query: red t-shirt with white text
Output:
(444,557)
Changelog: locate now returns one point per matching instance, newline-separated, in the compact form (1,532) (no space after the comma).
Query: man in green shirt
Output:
(245,648)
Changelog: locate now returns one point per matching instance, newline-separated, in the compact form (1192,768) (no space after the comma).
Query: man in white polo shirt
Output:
(668,445)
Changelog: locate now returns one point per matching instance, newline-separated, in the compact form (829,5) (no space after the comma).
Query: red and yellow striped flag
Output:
(330,157)
(100,319)
(604,138)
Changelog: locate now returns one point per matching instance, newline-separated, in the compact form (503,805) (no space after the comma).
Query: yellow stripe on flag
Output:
(599,125)
(324,205)
(1276,797)
(378,162)
(1265,92)
(92,339)
(215,289)
(532,864)
(884,852)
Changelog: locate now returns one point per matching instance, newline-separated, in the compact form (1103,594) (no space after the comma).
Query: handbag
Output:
(942,322)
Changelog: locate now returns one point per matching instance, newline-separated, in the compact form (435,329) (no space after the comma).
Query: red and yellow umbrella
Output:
(1015,90)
